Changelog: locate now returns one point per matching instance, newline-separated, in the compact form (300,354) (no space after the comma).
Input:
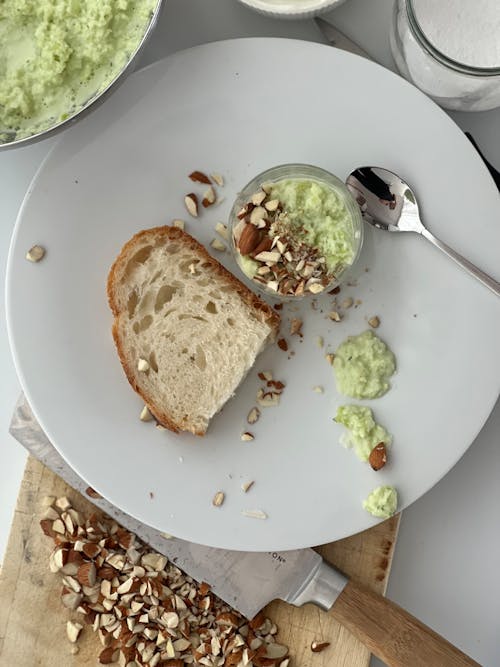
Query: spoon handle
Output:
(464,263)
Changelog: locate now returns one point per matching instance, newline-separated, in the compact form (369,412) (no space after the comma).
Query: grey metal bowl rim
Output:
(94,102)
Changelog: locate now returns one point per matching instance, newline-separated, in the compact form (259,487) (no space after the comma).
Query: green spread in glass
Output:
(382,502)
(363,431)
(317,215)
(55,55)
(363,365)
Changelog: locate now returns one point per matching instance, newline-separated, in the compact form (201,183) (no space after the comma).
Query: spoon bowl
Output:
(387,202)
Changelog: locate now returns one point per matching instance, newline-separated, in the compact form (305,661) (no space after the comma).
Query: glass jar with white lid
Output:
(450,49)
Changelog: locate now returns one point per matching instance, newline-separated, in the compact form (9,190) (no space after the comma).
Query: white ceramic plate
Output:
(239,107)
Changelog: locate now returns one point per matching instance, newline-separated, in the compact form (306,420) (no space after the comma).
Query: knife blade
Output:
(338,39)
(248,581)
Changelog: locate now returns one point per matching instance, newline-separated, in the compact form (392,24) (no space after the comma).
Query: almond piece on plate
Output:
(253,415)
(218,499)
(222,230)
(145,415)
(208,197)
(35,254)
(378,456)
(199,177)
(191,203)
(282,344)
(218,245)
(218,179)
(254,514)
(374,322)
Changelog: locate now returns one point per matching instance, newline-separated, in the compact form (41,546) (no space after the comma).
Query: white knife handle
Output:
(322,588)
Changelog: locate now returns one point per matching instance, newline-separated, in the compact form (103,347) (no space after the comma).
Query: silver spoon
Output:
(388,203)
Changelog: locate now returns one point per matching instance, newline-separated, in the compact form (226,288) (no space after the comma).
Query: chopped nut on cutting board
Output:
(145,610)
(37,623)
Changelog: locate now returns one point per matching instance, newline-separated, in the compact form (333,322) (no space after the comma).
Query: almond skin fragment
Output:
(317,647)
(199,177)
(378,456)
(92,492)
(283,345)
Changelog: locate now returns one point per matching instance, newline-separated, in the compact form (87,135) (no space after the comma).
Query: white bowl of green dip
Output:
(60,58)
(296,230)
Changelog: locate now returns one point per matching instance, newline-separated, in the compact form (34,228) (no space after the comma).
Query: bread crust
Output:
(157,235)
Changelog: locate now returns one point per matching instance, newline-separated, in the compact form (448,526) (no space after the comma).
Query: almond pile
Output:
(143,608)
(287,264)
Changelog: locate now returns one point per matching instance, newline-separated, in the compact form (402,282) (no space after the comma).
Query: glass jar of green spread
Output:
(296,230)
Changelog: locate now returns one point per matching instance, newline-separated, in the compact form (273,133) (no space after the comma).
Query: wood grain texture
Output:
(392,633)
(33,620)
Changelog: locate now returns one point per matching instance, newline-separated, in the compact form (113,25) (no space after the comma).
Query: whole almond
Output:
(378,456)
(249,239)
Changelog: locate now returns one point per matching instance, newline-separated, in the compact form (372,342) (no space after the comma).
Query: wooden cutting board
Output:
(33,620)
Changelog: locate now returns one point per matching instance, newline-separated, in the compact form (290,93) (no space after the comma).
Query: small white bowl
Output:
(291,9)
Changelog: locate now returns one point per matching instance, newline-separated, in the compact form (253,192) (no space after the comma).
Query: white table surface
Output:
(447,565)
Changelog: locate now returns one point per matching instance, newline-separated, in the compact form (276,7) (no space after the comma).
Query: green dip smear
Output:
(382,502)
(363,365)
(55,55)
(317,215)
(363,431)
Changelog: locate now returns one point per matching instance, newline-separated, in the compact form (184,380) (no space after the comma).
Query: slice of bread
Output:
(198,327)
